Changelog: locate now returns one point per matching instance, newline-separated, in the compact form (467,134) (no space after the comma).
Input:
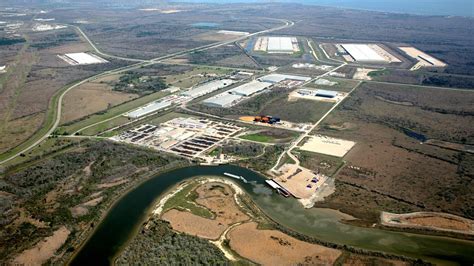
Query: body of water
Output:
(418,7)
(130,211)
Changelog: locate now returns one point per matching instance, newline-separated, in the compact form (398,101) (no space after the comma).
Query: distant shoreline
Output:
(443,10)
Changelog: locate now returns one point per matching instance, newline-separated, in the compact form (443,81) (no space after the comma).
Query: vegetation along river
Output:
(130,211)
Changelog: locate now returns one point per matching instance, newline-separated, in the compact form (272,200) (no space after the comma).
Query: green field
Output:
(258,137)
(111,113)
(185,200)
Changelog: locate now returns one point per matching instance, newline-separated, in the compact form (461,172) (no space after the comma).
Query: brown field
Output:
(44,249)
(277,248)
(17,130)
(440,222)
(219,199)
(390,171)
(186,222)
(90,98)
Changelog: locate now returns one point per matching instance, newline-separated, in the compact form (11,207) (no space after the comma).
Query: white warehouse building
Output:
(223,100)
(148,109)
(276,78)
(363,53)
(280,45)
(250,88)
(208,88)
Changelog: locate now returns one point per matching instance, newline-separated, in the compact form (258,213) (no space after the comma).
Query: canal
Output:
(129,212)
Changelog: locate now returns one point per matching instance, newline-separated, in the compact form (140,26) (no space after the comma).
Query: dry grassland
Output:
(90,98)
(271,247)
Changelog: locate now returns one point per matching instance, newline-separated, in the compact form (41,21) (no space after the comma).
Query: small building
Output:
(326,94)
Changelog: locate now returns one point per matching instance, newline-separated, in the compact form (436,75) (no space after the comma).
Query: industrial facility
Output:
(363,53)
(424,60)
(188,137)
(285,45)
(82,59)
(148,109)
(235,95)
(208,88)
(318,95)
(277,78)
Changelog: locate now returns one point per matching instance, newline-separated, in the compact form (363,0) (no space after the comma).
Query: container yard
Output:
(82,59)
(327,145)
(188,137)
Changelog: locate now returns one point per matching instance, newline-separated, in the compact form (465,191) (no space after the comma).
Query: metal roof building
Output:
(148,109)
(208,88)
(276,78)
(363,53)
(280,44)
(223,100)
(250,88)
(326,94)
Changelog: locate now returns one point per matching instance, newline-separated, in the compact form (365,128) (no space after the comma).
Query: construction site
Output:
(187,137)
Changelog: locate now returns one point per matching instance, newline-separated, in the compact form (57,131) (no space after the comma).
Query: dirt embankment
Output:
(429,220)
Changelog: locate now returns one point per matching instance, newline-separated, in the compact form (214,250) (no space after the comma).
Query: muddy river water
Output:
(121,222)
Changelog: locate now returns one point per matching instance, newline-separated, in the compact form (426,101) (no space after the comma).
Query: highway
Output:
(141,63)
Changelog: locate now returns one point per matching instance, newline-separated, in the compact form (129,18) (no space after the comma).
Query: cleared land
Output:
(277,248)
(327,145)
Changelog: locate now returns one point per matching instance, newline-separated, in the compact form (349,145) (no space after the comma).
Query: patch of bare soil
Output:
(271,247)
(44,249)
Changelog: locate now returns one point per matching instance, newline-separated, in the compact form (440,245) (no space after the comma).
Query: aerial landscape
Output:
(154,132)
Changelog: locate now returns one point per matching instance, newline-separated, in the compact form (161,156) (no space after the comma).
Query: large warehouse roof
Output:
(147,109)
(250,88)
(279,44)
(224,99)
(275,78)
(208,88)
(85,58)
(363,53)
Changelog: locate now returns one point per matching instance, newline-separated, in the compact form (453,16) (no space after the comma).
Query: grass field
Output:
(115,111)
(258,137)
(184,200)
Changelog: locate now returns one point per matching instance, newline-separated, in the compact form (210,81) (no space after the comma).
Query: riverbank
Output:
(78,242)
(317,224)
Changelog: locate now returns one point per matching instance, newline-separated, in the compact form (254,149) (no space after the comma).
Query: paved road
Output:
(141,63)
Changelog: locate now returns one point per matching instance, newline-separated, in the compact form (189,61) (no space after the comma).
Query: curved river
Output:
(129,212)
